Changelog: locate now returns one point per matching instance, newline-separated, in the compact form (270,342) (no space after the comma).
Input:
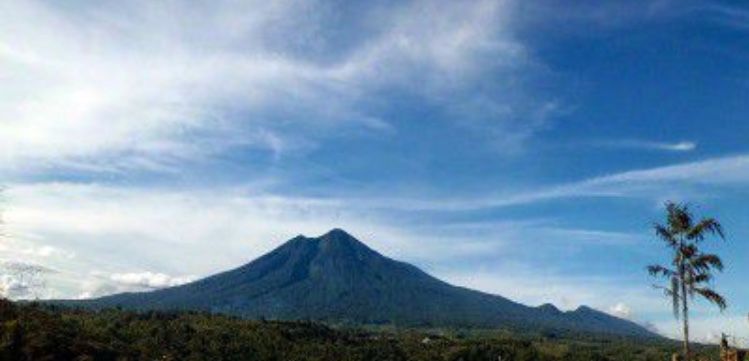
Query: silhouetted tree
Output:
(691,270)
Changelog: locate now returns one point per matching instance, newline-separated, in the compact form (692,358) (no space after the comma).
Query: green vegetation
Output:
(35,332)
(691,270)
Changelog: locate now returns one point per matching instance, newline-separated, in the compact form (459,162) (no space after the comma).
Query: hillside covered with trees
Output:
(36,332)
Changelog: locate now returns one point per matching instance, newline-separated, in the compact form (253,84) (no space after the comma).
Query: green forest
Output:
(42,332)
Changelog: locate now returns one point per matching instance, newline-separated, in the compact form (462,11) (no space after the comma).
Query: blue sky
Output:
(519,148)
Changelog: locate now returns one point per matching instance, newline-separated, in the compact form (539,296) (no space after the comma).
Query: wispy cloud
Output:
(682,146)
(657,182)
(151,86)
(729,14)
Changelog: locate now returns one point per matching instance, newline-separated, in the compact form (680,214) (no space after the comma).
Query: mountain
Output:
(336,278)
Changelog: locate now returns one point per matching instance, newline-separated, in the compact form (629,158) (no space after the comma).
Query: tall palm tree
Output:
(691,270)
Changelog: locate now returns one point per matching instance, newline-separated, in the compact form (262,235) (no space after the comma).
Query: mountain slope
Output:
(336,278)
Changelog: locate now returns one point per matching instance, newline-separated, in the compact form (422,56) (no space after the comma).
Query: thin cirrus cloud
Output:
(681,146)
(152,86)
(736,17)
(649,183)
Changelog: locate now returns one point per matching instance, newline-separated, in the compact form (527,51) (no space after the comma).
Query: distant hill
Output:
(336,278)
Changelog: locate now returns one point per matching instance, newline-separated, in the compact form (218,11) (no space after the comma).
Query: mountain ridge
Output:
(337,278)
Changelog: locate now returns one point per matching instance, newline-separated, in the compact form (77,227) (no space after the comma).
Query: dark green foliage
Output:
(338,280)
(35,332)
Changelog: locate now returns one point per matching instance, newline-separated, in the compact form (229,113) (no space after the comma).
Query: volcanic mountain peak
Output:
(338,238)
(336,278)
(335,239)
(340,234)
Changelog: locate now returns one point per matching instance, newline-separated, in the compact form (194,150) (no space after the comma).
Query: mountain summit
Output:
(336,278)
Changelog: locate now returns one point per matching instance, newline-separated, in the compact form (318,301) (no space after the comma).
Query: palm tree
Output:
(691,270)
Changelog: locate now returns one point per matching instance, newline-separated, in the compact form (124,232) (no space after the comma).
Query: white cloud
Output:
(731,171)
(652,183)
(22,280)
(682,146)
(149,279)
(152,85)
(718,171)
(97,283)
(621,310)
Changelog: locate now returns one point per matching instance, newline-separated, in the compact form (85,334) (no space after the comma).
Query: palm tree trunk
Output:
(685,319)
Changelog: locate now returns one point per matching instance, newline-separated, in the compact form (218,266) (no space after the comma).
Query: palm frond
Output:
(666,290)
(705,262)
(679,217)
(702,278)
(688,251)
(665,234)
(712,296)
(704,227)
(658,270)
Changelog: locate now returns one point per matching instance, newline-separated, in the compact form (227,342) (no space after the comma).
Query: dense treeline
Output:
(34,332)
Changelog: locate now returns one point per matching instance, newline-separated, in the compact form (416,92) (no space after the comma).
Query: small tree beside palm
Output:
(691,271)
